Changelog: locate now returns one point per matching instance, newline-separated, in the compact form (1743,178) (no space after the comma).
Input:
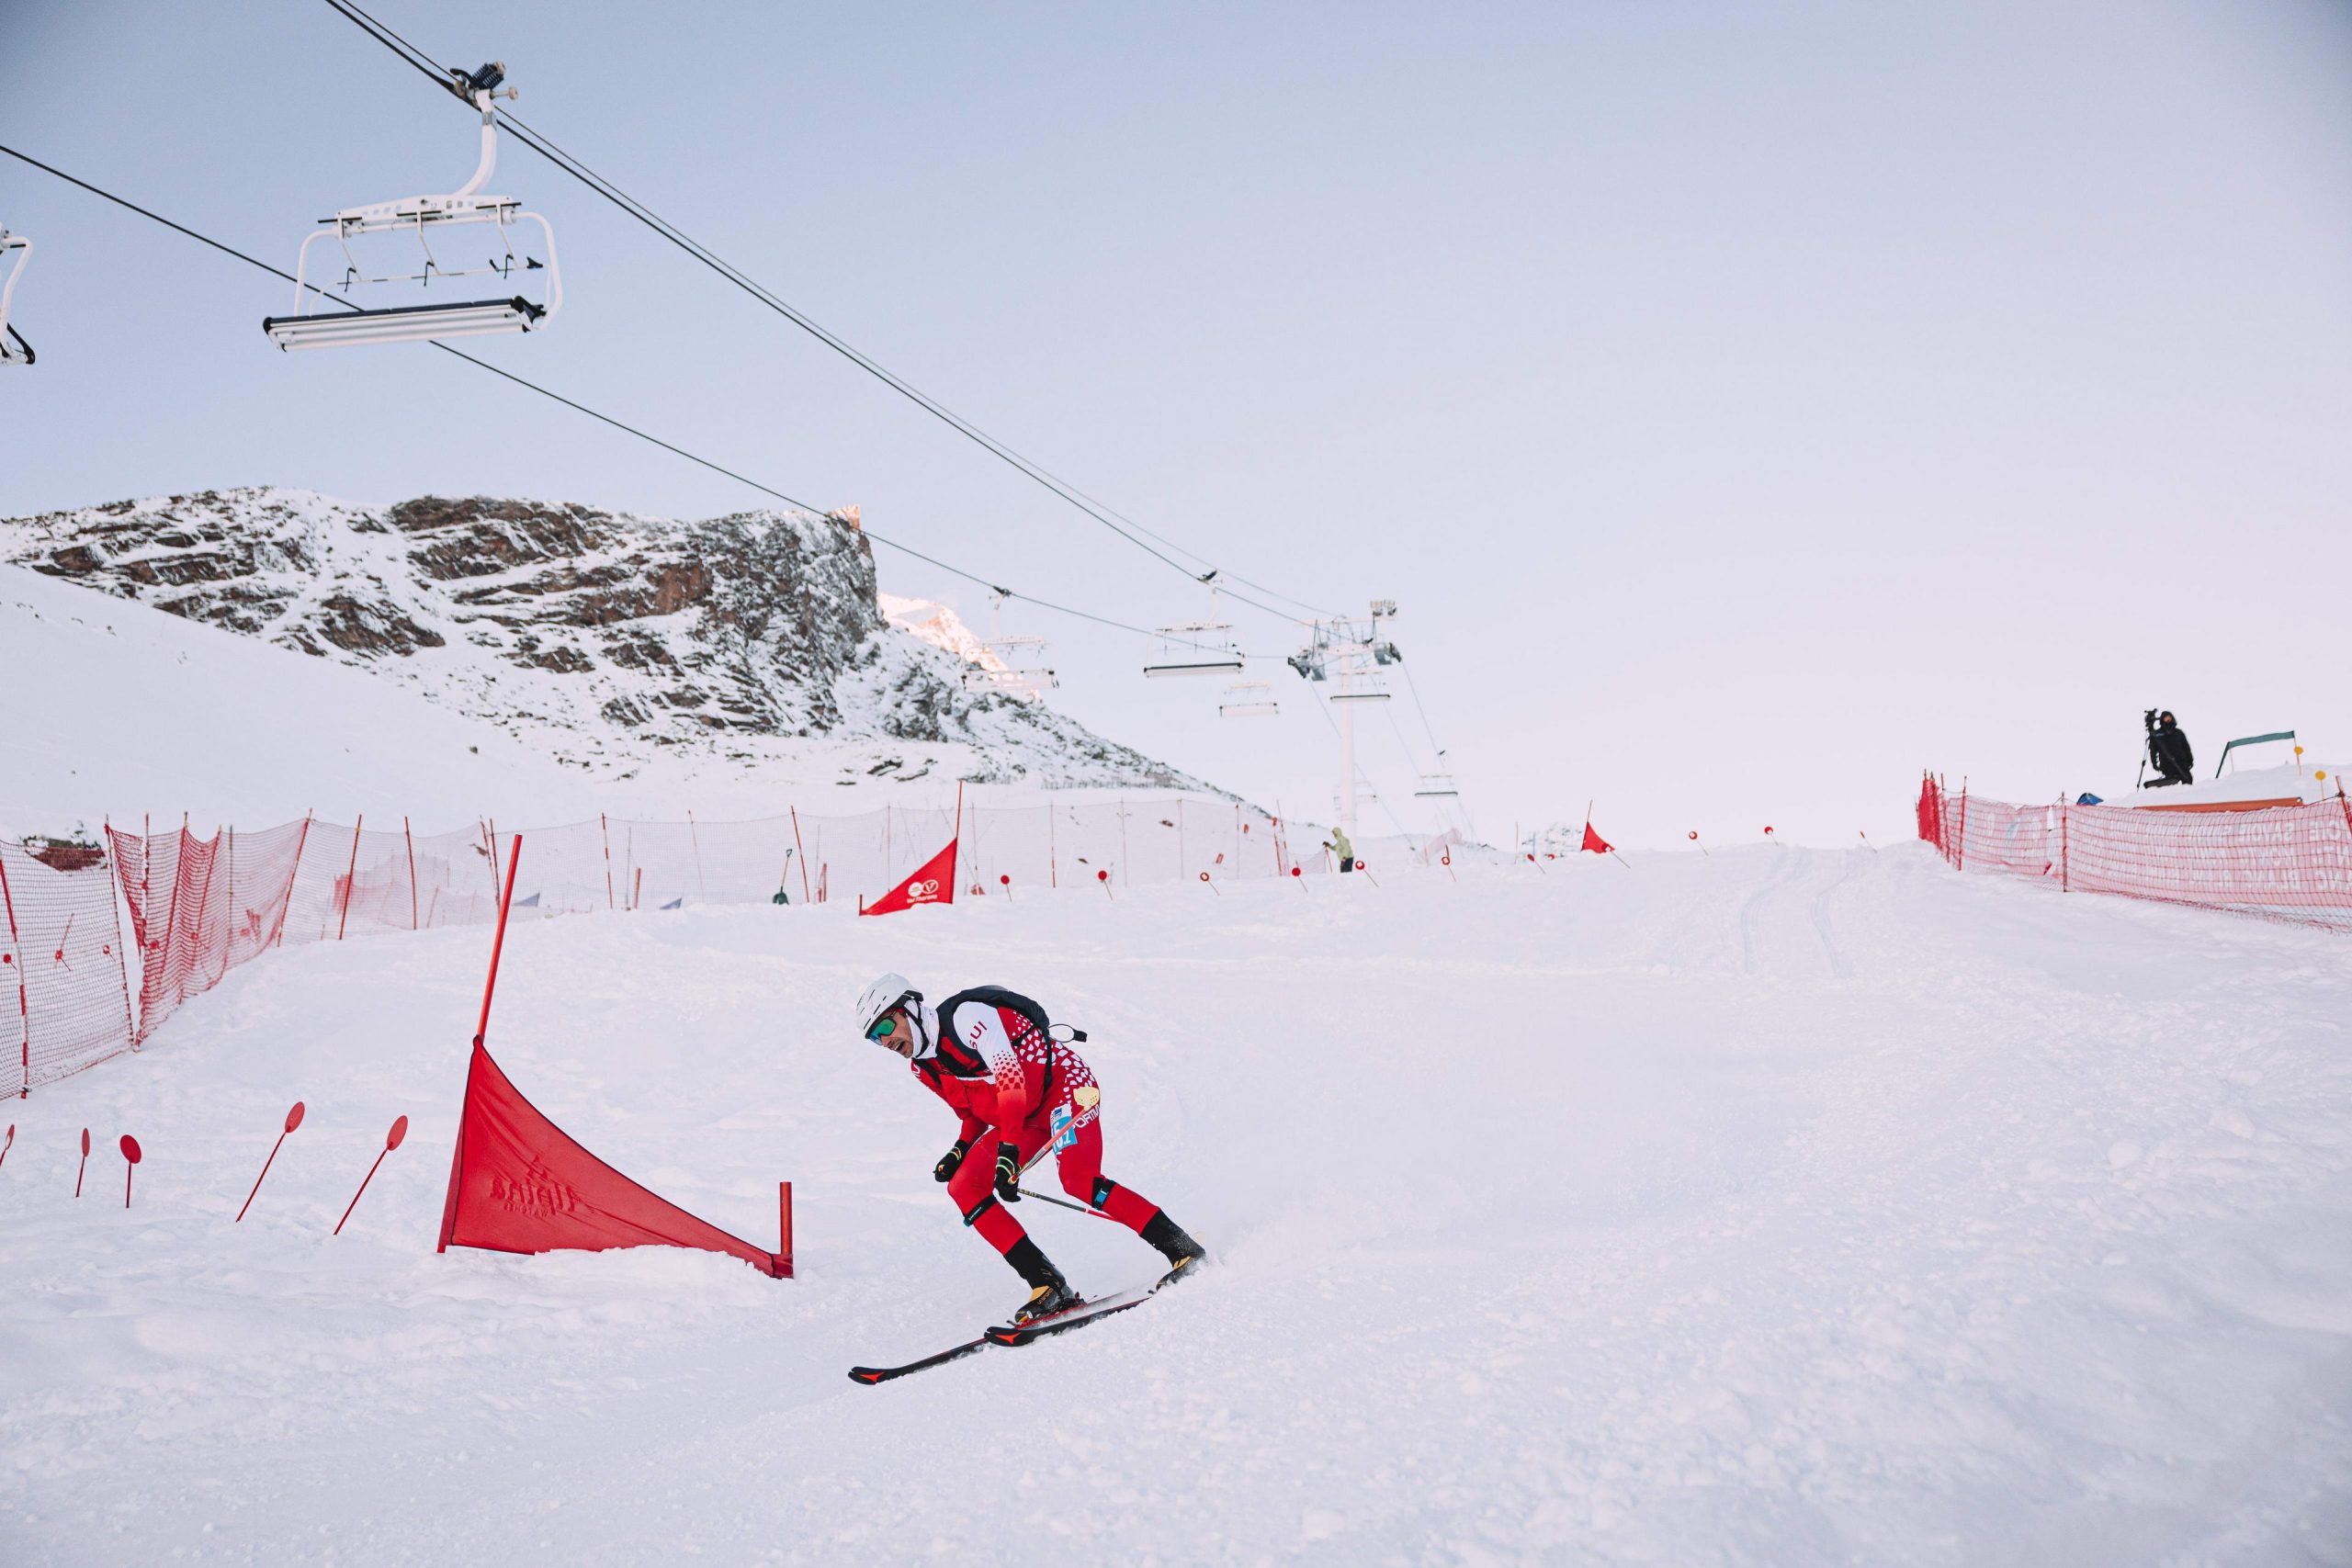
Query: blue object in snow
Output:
(2088,798)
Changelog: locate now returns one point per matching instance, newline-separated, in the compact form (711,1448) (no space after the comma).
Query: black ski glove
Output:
(1008,1173)
(951,1159)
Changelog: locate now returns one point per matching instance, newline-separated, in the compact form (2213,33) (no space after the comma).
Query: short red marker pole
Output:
(784,1229)
(1768,833)
(293,1119)
(1006,882)
(1103,877)
(130,1163)
(391,1141)
(1694,839)
(1212,886)
(9,1144)
(85,1165)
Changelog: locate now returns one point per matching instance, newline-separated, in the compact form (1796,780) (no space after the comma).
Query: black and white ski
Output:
(1012,1334)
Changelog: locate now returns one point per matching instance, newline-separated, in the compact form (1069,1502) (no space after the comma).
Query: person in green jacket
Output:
(1341,848)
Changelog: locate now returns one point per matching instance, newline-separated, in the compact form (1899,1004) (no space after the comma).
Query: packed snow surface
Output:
(1773,1206)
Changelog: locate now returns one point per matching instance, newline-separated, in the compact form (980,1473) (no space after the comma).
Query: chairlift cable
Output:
(1426,726)
(426,65)
(579,407)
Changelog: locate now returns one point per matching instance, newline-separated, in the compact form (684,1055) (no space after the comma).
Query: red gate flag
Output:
(1595,842)
(519,1183)
(933,882)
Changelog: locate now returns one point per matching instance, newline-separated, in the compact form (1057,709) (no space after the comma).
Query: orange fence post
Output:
(412,873)
(344,917)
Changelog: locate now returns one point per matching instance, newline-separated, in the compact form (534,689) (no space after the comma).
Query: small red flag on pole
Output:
(1694,839)
(85,1165)
(1103,877)
(293,1119)
(391,1141)
(130,1163)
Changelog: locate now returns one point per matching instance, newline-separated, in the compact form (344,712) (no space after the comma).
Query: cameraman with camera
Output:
(2168,750)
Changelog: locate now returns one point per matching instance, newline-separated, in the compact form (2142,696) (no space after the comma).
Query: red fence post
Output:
(15,959)
(2064,854)
(411,872)
(353,871)
(608,829)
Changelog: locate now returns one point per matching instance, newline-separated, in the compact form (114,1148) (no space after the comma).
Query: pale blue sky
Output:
(1747,405)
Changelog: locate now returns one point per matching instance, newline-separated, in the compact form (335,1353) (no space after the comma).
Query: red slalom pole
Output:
(9,1144)
(293,1119)
(130,1163)
(85,1165)
(498,941)
(391,1141)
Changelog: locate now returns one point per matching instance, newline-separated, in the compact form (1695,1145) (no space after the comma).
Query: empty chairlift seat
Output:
(445,229)
(15,252)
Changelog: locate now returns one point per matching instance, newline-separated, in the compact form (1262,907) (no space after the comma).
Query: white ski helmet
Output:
(879,998)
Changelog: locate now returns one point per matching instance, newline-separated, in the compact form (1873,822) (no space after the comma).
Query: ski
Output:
(1022,1332)
(870,1375)
(1085,1312)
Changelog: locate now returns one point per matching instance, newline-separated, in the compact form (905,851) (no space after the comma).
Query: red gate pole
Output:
(412,873)
(498,942)
(16,962)
(351,871)
(783,1228)
(607,828)
(802,852)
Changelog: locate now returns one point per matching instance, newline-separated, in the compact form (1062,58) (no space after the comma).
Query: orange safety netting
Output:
(199,907)
(2290,861)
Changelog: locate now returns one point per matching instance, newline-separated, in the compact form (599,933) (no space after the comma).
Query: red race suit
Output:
(1013,1083)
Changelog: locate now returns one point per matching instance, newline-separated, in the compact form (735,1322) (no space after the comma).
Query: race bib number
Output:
(1065,1133)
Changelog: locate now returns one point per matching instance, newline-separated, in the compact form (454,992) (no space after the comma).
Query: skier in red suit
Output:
(990,1053)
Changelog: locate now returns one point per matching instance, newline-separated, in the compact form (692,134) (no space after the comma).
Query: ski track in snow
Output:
(1777,1206)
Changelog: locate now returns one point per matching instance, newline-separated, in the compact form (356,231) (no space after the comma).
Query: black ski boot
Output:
(1049,1292)
(1184,1254)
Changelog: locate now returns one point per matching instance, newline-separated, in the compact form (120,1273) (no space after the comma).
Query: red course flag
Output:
(933,882)
(519,1183)
(1595,842)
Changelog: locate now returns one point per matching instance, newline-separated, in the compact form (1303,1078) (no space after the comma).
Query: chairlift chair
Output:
(1250,699)
(14,349)
(1194,648)
(425,217)
(1436,786)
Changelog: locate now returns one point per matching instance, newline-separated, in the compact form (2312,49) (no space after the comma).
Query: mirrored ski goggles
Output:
(884,1027)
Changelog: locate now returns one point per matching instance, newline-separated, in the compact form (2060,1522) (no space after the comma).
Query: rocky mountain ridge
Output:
(609,638)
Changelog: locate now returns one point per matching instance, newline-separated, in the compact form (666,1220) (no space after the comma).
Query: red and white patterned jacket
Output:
(998,1070)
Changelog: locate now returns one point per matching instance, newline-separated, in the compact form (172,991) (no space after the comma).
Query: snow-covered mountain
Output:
(604,638)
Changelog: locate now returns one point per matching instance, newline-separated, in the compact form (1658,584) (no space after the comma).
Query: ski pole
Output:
(1064,1203)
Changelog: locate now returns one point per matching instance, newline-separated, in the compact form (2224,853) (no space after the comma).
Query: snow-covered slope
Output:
(116,710)
(602,639)
(1776,1207)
